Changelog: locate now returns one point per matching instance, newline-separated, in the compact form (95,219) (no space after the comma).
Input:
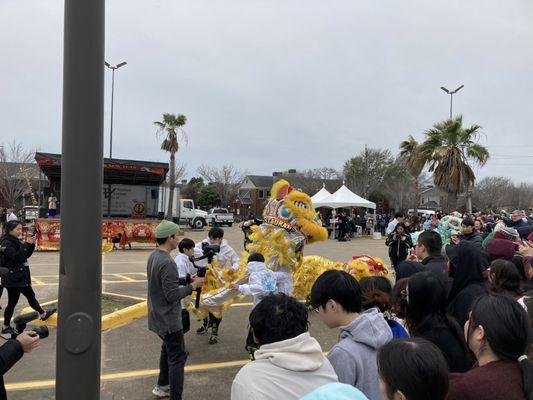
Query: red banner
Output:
(123,232)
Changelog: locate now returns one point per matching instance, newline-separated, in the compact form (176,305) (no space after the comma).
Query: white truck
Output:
(220,216)
(185,212)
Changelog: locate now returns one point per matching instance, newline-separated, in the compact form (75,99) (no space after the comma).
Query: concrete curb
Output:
(109,321)
(124,315)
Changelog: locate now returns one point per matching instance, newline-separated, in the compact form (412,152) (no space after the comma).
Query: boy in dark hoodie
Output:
(337,297)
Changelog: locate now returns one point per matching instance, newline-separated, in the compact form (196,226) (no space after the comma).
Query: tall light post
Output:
(112,68)
(79,317)
(468,190)
(451,93)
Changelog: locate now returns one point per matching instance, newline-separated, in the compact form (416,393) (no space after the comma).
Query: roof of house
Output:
(261,181)
(310,185)
(244,197)
(429,189)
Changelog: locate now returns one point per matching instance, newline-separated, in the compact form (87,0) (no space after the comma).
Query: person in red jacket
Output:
(498,333)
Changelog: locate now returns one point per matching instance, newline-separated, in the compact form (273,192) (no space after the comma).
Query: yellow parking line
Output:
(129,374)
(107,263)
(125,296)
(37,282)
(103,281)
(126,278)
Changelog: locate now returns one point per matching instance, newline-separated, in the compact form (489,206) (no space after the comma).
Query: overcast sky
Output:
(275,84)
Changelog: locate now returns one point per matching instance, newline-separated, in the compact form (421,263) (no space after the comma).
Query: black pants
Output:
(172,364)
(211,322)
(214,321)
(13,295)
(395,261)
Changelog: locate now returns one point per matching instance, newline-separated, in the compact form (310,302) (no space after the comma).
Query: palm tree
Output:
(415,162)
(170,127)
(450,149)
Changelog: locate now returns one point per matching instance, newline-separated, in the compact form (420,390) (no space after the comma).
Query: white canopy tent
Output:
(343,198)
(320,195)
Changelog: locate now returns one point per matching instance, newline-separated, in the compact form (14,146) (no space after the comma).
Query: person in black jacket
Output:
(17,279)
(467,263)
(469,233)
(429,250)
(12,351)
(426,317)
(399,242)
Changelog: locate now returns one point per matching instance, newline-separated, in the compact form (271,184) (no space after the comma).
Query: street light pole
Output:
(451,93)
(468,191)
(80,263)
(112,68)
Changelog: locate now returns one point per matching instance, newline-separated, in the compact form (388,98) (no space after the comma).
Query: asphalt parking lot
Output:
(130,353)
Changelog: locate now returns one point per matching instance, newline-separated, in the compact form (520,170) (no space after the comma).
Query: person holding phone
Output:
(399,243)
(17,279)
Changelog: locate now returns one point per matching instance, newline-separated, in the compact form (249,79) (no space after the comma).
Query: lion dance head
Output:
(293,211)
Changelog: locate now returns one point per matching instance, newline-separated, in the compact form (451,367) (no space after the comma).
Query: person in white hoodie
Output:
(261,283)
(337,297)
(261,280)
(226,258)
(289,363)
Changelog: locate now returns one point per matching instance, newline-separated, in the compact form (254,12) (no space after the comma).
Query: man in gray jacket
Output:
(164,310)
(337,296)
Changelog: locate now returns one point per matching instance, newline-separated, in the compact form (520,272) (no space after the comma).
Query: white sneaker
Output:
(161,391)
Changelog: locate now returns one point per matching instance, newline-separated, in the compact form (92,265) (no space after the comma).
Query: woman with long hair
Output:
(467,263)
(377,292)
(504,279)
(17,279)
(426,317)
(498,333)
(399,299)
(399,242)
(412,369)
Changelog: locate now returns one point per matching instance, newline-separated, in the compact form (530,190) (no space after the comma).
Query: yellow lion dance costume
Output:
(289,223)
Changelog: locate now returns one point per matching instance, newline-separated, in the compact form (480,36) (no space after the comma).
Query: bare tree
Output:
(494,192)
(14,172)
(322,173)
(397,185)
(226,180)
(179,174)
(525,195)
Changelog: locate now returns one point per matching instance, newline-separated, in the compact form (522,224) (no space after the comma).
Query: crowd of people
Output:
(345,224)
(454,325)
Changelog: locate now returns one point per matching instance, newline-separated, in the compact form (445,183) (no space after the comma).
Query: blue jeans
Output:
(172,364)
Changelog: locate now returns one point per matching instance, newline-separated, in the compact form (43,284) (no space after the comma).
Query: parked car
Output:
(220,216)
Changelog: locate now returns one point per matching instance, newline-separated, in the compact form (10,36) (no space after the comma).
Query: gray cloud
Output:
(270,85)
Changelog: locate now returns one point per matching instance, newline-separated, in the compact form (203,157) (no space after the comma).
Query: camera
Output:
(22,321)
(209,251)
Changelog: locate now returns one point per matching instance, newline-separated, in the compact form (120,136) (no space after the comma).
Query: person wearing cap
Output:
(164,310)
